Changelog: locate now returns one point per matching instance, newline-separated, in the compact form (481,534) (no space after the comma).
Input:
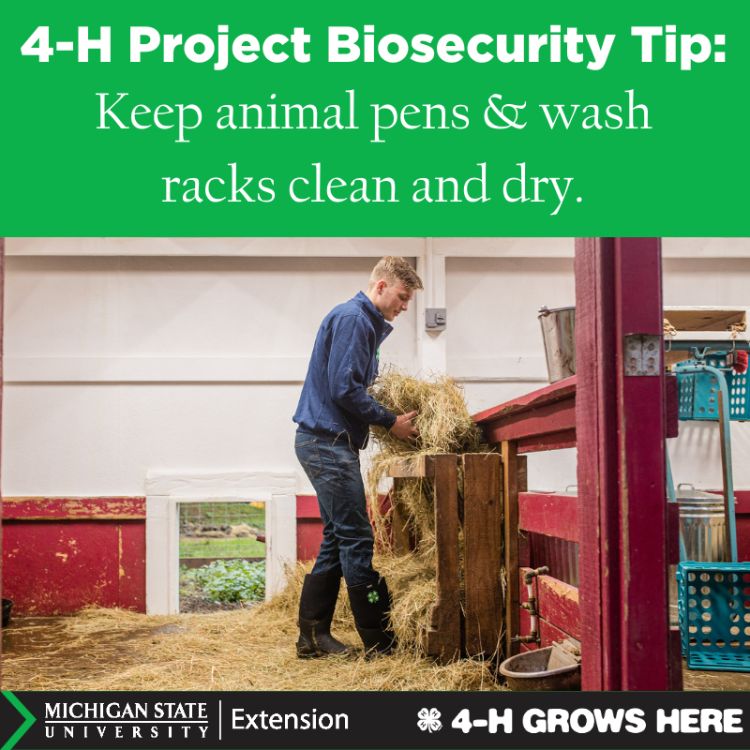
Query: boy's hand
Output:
(403,428)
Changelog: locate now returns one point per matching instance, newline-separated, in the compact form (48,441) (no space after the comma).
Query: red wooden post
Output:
(596,437)
(621,476)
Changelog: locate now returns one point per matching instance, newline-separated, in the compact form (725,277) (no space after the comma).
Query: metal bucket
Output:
(703,534)
(703,526)
(559,334)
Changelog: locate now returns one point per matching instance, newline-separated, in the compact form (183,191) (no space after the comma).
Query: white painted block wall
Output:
(129,356)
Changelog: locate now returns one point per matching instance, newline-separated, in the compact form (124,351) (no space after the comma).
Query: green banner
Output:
(483,118)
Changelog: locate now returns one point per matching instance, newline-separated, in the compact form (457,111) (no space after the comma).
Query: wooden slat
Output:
(412,468)
(549,514)
(483,552)
(400,535)
(551,442)
(549,418)
(706,318)
(199,562)
(444,637)
(557,602)
(510,513)
(559,605)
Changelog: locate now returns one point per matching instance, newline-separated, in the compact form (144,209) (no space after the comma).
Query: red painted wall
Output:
(309,527)
(742,511)
(62,554)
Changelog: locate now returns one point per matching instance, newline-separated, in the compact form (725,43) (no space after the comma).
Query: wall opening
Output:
(217,497)
(222,554)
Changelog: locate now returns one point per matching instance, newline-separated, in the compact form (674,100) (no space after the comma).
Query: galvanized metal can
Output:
(703,533)
(559,335)
(703,526)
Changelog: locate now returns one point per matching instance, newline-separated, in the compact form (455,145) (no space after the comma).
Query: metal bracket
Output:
(435,318)
(642,354)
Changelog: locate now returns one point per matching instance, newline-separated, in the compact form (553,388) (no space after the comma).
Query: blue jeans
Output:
(332,466)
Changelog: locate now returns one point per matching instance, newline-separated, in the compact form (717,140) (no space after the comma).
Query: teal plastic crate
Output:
(699,392)
(714,612)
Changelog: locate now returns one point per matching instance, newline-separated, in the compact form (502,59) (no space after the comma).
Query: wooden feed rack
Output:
(474,627)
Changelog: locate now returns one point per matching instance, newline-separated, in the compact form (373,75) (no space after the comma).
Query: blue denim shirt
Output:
(343,364)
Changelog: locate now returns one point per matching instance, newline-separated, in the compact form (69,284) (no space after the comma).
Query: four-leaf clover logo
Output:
(429,720)
(373,597)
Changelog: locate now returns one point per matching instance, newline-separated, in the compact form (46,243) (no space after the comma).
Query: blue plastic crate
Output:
(699,392)
(714,612)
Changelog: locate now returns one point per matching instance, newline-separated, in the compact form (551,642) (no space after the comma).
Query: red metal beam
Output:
(550,514)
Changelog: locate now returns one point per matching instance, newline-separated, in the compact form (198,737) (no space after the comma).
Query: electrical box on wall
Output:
(435,318)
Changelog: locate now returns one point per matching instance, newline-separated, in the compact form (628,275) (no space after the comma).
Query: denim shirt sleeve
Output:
(348,364)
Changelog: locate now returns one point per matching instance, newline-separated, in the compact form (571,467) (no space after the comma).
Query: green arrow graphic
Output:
(28,720)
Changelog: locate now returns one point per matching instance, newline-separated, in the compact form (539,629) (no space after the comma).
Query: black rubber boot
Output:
(316,605)
(371,607)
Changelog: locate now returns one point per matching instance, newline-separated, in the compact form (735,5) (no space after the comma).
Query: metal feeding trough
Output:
(556,667)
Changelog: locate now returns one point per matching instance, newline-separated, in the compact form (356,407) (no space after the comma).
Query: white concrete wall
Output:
(116,366)
(124,356)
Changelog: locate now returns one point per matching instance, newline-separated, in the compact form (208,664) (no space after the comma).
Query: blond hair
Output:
(393,269)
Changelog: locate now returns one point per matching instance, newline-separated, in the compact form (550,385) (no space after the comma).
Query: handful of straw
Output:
(443,421)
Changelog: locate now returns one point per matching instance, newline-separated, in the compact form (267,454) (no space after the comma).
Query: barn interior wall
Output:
(129,355)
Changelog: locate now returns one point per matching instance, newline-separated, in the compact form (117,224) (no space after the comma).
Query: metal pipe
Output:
(530,606)
(726,449)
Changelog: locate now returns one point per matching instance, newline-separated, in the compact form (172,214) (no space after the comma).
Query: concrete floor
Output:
(36,654)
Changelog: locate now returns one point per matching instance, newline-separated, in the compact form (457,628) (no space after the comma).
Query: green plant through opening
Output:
(231,580)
